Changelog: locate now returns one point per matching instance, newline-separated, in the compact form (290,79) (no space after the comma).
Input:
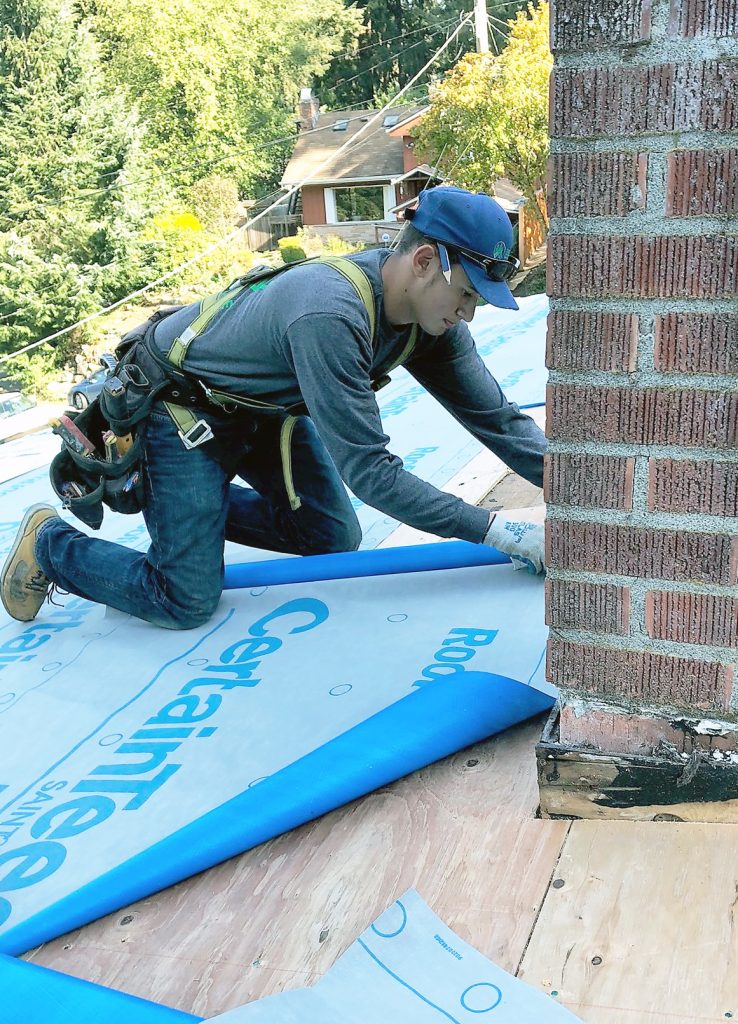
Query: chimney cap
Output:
(306,94)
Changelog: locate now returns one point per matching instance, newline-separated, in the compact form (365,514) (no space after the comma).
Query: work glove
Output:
(522,541)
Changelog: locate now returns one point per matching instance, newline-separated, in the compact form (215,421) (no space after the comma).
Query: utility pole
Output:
(480,26)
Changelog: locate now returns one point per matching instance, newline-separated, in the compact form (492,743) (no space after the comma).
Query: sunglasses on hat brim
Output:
(495,270)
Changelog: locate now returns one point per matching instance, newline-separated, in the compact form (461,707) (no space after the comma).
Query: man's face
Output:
(441,305)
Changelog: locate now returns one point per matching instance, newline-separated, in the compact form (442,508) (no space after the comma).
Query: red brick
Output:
(622,733)
(703,18)
(596,607)
(596,184)
(692,618)
(703,419)
(639,675)
(580,340)
(700,183)
(696,343)
(580,24)
(693,487)
(625,101)
(594,267)
(589,481)
(631,551)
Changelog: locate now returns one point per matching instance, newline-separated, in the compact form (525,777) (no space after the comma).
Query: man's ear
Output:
(424,258)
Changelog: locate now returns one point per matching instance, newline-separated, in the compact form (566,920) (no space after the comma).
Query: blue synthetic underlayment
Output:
(423,727)
(36,995)
(346,564)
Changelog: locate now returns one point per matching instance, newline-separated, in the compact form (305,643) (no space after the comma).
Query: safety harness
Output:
(85,482)
(194,431)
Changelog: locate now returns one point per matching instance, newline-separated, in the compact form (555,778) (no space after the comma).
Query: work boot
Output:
(23,583)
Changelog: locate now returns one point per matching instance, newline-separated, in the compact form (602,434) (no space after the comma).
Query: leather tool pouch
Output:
(85,483)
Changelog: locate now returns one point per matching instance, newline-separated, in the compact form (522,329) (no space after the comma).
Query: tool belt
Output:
(87,480)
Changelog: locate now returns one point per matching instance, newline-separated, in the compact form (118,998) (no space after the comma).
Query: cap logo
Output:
(500,251)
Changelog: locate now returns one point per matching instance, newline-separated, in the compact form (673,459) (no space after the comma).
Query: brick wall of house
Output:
(642,476)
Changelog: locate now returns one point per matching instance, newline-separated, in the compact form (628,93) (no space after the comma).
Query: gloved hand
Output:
(522,541)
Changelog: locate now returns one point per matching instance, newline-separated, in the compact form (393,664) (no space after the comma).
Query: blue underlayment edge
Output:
(458,554)
(36,995)
(428,724)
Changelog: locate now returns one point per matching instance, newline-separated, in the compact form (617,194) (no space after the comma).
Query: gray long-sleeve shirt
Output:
(305,337)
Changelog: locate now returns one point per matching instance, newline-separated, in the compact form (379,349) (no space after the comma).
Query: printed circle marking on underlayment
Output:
(481,998)
(197,662)
(258,591)
(108,741)
(255,782)
(7,698)
(395,915)
(398,617)
(342,688)
(51,666)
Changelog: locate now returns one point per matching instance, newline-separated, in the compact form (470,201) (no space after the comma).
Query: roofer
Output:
(250,361)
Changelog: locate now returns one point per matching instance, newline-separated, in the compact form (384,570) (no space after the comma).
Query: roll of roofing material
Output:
(347,564)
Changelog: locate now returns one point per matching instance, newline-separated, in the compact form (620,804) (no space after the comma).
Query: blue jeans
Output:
(192,508)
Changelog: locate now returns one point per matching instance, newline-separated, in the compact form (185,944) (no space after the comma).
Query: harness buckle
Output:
(227,407)
(198,433)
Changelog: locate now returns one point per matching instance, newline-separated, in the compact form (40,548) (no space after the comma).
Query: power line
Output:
(392,39)
(206,252)
(386,60)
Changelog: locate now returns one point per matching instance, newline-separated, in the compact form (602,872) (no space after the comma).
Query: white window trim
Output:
(329,194)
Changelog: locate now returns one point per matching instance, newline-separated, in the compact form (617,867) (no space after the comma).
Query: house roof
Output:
(507,195)
(376,156)
(408,122)
(421,171)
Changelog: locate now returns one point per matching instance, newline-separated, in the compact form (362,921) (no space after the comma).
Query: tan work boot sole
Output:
(22,587)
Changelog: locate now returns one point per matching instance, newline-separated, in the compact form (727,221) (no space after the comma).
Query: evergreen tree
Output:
(66,235)
(399,38)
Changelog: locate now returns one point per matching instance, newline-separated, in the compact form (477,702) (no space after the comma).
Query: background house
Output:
(356,194)
(361,195)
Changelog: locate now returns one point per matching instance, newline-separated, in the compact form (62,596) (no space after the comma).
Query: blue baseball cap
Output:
(478,230)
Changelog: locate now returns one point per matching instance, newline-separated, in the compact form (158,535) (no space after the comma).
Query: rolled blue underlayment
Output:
(457,554)
(35,995)
(430,723)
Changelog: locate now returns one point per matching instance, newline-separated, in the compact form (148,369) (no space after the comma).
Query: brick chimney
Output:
(642,476)
(308,109)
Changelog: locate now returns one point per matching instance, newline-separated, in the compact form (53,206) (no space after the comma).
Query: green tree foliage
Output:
(216,82)
(399,38)
(215,202)
(491,113)
(65,234)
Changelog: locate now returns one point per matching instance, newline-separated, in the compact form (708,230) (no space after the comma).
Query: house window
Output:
(358,203)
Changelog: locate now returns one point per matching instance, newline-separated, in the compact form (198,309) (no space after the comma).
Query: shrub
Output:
(33,372)
(332,245)
(215,201)
(170,239)
(290,250)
